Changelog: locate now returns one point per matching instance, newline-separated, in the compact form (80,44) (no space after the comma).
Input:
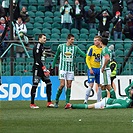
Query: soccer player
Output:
(109,103)
(40,72)
(93,63)
(67,53)
(105,71)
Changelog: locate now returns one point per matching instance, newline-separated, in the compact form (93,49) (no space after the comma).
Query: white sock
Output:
(87,94)
(99,94)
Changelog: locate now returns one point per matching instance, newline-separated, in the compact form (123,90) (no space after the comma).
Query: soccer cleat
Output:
(50,105)
(68,106)
(56,105)
(85,102)
(34,106)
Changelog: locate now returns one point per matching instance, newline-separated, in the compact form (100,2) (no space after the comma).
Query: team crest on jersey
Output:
(67,54)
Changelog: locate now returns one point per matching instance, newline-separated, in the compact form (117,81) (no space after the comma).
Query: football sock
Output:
(104,93)
(79,106)
(112,93)
(87,94)
(58,95)
(33,93)
(68,93)
(99,94)
(48,92)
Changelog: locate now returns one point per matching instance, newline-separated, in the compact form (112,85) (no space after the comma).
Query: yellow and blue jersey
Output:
(93,57)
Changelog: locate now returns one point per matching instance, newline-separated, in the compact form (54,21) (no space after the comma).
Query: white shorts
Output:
(101,104)
(67,75)
(105,77)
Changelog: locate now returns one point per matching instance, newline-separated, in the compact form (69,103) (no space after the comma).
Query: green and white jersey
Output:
(121,102)
(67,55)
(105,51)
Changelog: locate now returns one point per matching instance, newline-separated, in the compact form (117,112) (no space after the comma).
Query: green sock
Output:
(68,93)
(58,95)
(104,93)
(112,93)
(79,106)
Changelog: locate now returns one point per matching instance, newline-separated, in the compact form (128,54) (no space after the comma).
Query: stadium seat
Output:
(63,36)
(57,19)
(57,14)
(37,25)
(74,31)
(19,68)
(93,31)
(119,53)
(84,30)
(41,2)
(88,2)
(56,25)
(46,31)
(50,14)
(25,2)
(39,20)
(41,8)
(91,36)
(36,32)
(39,14)
(55,30)
(33,2)
(55,36)
(29,25)
(18,73)
(48,20)
(96,2)
(98,8)
(31,14)
(28,73)
(32,8)
(84,36)
(47,25)
(86,8)
(65,31)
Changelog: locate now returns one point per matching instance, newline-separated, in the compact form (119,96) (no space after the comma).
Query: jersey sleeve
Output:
(37,56)
(127,90)
(114,106)
(79,51)
(56,56)
(88,56)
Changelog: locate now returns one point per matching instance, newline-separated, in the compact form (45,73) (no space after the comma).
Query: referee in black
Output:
(40,72)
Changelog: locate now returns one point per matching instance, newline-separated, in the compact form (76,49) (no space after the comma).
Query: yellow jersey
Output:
(93,57)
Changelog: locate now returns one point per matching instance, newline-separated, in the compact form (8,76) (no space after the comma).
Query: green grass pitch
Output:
(17,117)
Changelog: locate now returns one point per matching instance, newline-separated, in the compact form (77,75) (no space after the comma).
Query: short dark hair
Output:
(104,41)
(69,36)
(40,36)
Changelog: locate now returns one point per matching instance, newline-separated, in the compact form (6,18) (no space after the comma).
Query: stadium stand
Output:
(49,23)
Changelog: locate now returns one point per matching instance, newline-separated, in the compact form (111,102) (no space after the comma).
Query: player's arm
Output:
(88,56)
(107,59)
(56,56)
(114,106)
(127,90)
(37,56)
(79,51)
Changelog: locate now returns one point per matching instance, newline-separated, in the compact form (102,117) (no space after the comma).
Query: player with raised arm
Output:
(67,52)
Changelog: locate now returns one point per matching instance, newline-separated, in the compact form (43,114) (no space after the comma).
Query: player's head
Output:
(70,39)
(42,38)
(104,41)
(97,40)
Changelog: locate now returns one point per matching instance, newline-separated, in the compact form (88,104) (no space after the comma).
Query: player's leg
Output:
(62,77)
(102,84)
(109,87)
(48,90)
(69,78)
(97,80)
(36,80)
(91,78)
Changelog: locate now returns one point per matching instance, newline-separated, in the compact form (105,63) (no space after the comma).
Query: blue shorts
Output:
(94,77)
